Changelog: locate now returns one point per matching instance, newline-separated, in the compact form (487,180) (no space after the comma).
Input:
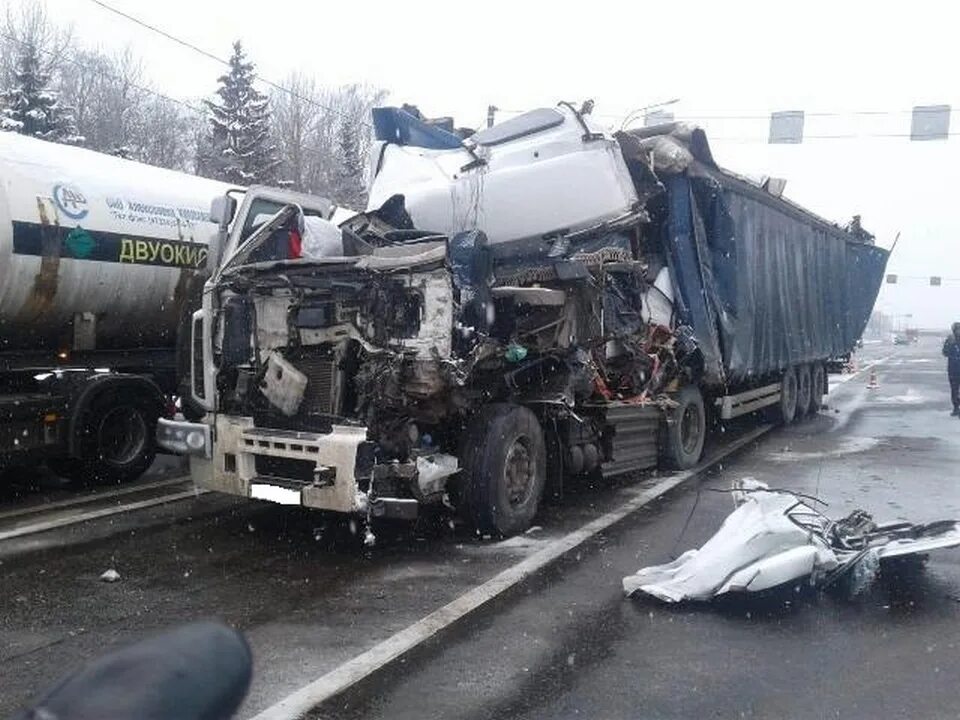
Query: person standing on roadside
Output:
(951,350)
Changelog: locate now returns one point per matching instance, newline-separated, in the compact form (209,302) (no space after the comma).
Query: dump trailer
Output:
(536,303)
(98,259)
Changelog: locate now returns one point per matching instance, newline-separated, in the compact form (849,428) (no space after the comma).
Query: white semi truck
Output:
(98,260)
(540,302)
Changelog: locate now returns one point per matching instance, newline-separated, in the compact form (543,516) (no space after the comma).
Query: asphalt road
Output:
(310,596)
(302,586)
(572,646)
(32,487)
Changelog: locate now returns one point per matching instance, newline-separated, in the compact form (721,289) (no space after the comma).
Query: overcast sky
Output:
(730,59)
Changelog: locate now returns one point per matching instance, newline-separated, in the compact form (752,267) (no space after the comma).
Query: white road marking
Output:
(94,514)
(340,679)
(91,498)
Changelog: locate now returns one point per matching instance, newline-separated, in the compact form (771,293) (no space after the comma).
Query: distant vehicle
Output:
(912,335)
(901,340)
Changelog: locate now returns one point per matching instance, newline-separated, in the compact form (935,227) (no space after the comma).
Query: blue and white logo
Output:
(70,201)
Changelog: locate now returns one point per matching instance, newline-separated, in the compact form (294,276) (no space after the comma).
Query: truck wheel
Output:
(803,390)
(818,387)
(786,409)
(505,469)
(685,430)
(118,441)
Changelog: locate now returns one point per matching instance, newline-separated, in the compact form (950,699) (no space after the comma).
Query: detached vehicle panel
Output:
(468,347)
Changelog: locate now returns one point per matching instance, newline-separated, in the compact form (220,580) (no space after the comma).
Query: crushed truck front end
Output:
(324,375)
(385,364)
(393,368)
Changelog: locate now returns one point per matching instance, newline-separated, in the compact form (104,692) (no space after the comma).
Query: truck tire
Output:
(804,390)
(818,387)
(786,409)
(118,437)
(685,430)
(505,469)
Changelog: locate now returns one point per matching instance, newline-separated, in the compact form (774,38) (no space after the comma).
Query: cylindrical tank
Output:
(96,252)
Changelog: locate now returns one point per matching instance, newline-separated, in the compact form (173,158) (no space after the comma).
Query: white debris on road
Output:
(110,576)
(774,537)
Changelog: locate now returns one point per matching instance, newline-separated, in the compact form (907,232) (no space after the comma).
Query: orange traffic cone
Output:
(873,384)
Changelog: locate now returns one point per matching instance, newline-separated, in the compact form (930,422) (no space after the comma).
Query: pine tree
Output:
(240,146)
(31,106)
(351,191)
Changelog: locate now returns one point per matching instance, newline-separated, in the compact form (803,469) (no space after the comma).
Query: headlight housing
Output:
(184,438)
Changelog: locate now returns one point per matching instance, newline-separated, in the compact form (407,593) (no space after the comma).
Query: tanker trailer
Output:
(98,260)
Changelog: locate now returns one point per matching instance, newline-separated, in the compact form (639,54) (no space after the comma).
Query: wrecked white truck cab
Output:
(546,172)
(291,301)
(538,302)
(376,371)
(375,367)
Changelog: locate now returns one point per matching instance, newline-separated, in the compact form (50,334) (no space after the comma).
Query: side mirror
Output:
(214,250)
(222,210)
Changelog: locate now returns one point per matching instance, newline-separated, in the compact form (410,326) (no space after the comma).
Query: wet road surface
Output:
(310,596)
(301,585)
(25,489)
(572,646)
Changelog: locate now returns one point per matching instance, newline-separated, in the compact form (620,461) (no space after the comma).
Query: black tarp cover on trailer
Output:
(763,283)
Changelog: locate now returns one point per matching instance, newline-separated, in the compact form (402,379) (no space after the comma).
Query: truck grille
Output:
(320,396)
(300,471)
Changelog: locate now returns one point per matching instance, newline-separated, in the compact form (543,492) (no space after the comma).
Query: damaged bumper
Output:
(332,471)
(317,470)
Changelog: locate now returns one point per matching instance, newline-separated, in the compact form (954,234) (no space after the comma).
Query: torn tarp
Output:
(764,283)
(774,537)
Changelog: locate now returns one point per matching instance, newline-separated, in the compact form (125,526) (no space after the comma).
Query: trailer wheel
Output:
(804,390)
(505,469)
(818,387)
(685,430)
(118,433)
(786,409)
